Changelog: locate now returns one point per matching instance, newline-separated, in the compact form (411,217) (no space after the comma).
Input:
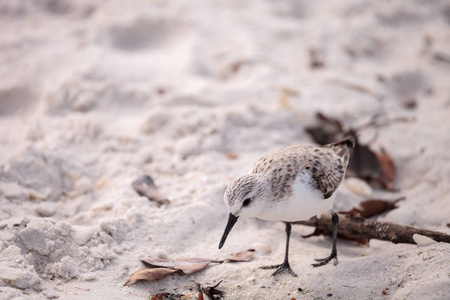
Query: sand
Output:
(95,94)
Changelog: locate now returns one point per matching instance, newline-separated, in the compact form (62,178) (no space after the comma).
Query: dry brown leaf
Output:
(372,166)
(186,265)
(242,256)
(387,166)
(364,163)
(375,207)
(327,131)
(148,274)
(145,186)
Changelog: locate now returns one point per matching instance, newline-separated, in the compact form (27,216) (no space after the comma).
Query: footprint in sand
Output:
(144,33)
(16,99)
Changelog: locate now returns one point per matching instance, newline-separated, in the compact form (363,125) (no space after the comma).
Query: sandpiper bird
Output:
(290,184)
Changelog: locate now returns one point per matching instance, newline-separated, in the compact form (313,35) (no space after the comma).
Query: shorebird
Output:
(288,185)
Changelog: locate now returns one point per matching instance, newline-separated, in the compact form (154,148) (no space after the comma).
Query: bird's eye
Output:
(246,202)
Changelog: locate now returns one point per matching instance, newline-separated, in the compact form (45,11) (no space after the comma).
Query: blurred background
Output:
(94,94)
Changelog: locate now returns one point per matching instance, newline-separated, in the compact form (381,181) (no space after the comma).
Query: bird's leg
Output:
(284,267)
(324,261)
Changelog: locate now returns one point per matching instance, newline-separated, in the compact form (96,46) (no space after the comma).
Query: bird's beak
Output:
(231,221)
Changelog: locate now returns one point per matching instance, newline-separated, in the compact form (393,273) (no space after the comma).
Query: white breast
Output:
(305,202)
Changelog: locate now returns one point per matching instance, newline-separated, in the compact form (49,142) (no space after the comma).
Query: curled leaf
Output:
(145,186)
(149,274)
(242,256)
(186,265)
(387,167)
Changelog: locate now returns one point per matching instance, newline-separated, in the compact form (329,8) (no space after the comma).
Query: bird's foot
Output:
(281,268)
(326,260)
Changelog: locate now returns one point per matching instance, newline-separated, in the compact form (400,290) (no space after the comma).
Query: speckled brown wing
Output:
(282,167)
(327,165)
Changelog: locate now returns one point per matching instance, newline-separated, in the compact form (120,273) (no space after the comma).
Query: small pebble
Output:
(358,186)
(89,276)
(161,254)
(422,240)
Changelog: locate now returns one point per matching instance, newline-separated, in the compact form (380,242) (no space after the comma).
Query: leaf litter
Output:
(367,164)
(184,265)
(157,268)
(375,167)
(373,207)
(243,256)
(210,291)
(368,209)
(148,274)
(167,296)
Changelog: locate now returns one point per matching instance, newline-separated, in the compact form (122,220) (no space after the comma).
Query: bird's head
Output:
(241,199)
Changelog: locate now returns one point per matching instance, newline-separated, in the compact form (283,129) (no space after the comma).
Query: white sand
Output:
(94,95)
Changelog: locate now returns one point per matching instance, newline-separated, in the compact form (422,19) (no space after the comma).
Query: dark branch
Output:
(358,228)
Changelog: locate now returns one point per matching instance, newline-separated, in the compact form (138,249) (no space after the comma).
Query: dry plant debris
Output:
(370,165)
(145,186)
(168,296)
(149,274)
(210,291)
(360,229)
(184,265)
(327,131)
(373,207)
(387,167)
(157,268)
(369,208)
(242,256)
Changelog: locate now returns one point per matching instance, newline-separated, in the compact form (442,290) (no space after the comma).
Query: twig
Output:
(357,87)
(360,228)
(376,122)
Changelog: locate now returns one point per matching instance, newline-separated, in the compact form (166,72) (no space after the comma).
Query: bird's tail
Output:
(344,147)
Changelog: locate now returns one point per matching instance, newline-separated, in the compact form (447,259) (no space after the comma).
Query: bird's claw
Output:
(281,268)
(326,260)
